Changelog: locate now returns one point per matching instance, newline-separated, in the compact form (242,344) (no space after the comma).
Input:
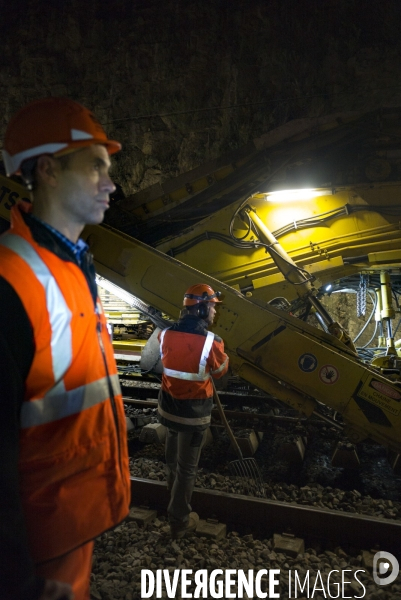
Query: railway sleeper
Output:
(287,543)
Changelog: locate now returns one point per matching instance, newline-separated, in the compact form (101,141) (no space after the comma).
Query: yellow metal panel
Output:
(390,257)
(10,194)
(124,345)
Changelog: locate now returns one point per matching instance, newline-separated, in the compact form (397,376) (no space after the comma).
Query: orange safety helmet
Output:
(200,292)
(51,126)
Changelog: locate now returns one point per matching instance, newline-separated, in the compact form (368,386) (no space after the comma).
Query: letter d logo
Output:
(382,561)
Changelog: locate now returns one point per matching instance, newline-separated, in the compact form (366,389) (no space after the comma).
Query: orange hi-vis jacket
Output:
(73,461)
(191,355)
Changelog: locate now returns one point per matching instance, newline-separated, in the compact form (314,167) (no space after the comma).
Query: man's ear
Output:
(47,169)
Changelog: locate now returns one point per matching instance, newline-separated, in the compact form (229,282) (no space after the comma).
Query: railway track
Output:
(149,391)
(264,517)
(245,416)
(128,559)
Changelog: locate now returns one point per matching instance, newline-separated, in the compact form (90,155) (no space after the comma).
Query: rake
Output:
(245,468)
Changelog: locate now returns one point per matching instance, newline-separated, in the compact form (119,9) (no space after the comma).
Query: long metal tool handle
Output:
(225,422)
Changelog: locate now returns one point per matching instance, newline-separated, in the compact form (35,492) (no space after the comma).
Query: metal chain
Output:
(361,298)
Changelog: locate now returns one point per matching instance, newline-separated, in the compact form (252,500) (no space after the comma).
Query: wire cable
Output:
(374,303)
(309,222)
(372,338)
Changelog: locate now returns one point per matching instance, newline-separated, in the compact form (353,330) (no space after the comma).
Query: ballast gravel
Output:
(310,495)
(122,554)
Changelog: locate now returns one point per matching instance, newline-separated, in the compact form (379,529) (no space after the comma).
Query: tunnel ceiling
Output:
(187,86)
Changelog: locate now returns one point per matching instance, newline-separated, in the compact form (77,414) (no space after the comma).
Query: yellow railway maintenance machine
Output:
(272,255)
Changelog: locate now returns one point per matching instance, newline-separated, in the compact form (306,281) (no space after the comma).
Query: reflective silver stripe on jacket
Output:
(59,313)
(201,375)
(57,406)
(221,367)
(183,420)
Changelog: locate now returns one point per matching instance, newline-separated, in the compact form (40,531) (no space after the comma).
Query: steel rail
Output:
(143,392)
(236,414)
(151,394)
(265,517)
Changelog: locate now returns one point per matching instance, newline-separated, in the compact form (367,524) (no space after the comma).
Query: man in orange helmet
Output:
(190,355)
(64,471)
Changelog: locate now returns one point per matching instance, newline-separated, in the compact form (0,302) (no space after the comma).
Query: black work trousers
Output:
(182,457)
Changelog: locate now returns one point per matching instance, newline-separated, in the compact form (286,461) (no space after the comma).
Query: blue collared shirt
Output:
(77,249)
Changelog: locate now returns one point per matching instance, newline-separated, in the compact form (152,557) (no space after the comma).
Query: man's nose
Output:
(106,184)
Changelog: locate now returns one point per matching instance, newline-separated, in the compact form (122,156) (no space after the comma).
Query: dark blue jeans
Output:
(182,457)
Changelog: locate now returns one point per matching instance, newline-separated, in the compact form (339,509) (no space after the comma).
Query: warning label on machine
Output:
(381,394)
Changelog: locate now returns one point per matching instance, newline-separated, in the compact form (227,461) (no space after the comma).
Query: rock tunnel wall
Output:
(182,82)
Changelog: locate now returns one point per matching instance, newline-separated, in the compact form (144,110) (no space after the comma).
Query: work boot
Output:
(179,530)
